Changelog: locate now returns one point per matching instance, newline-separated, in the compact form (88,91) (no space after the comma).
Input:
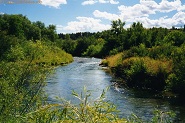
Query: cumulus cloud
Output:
(53,3)
(83,24)
(90,2)
(166,6)
(105,15)
(177,20)
(142,12)
(138,10)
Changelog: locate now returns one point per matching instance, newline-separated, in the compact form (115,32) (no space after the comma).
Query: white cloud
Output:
(1,13)
(90,2)
(131,12)
(105,15)
(53,3)
(177,20)
(142,12)
(113,2)
(181,8)
(103,1)
(83,24)
(166,6)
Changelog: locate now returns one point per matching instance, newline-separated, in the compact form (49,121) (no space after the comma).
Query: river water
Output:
(87,72)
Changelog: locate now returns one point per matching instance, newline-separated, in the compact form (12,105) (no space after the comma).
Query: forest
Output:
(144,58)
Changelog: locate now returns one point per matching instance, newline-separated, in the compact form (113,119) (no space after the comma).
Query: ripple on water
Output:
(87,72)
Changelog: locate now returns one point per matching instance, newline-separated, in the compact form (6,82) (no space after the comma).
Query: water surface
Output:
(87,72)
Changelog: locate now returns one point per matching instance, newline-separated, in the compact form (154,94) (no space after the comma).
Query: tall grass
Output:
(113,61)
(97,111)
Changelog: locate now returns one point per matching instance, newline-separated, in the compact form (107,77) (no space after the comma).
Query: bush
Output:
(20,89)
(176,80)
(39,52)
(113,61)
(144,72)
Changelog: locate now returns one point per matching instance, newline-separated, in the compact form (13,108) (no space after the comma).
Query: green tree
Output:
(49,33)
(83,44)
(117,27)
(136,34)
(176,81)
(175,37)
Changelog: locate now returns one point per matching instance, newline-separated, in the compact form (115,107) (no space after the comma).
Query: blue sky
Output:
(72,16)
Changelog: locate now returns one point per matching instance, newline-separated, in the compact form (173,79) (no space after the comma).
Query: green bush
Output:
(20,89)
(176,80)
(144,72)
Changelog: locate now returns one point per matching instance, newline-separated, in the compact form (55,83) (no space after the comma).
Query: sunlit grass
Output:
(152,66)
(87,111)
(113,60)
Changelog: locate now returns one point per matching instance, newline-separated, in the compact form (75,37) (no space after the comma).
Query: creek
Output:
(87,72)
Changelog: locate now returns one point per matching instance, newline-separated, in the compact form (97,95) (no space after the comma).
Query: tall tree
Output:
(117,27)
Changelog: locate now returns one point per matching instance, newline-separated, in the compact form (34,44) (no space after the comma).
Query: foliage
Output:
(175,37)
(68,45)
(39,52)
(117,27)
(86,111)
(113,61)
(159,117)
(144,72)
(95,49)
(21,88)
(25,61)
(176,80)
(146,58)
(22,28)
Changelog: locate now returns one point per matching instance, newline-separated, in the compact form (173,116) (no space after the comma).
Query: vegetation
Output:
(27,55)
(153,63)
(88,111)
(145,58)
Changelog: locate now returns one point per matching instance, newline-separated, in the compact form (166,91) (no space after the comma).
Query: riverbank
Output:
(24,69)
(145,72)
(87,72)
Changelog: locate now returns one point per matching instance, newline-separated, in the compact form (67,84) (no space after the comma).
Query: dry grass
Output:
(153,66)
(113,61)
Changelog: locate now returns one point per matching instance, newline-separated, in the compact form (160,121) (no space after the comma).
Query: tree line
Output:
(147,58)
(150,58)
(117,39)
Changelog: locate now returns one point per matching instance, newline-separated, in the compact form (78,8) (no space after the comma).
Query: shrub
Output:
(20,89)
(144,72)
(176,80)
(114,60)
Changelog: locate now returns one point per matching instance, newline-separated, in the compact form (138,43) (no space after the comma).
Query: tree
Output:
(117,27)
(137,34)
(39,24)
(175,37)
(49,33)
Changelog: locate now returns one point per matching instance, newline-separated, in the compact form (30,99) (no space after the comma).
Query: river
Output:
(87,72)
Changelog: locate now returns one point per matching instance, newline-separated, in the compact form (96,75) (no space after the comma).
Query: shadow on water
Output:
(87,72)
